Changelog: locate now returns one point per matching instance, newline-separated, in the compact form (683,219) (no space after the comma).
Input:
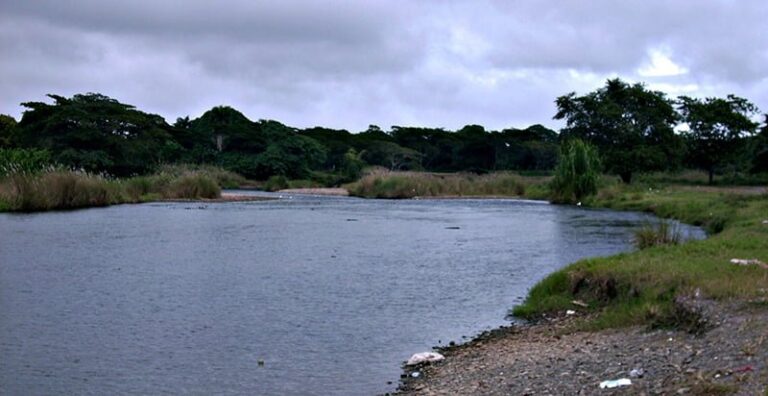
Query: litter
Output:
(580,303)
(415,374)
(637,373)
(424,357)
(749,262)
(744,369)
(570,312)
(615,383)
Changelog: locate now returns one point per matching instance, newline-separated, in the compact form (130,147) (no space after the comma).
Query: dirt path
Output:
(730,358)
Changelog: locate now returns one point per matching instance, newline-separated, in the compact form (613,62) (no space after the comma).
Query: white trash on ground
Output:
(424,357)
(615,383)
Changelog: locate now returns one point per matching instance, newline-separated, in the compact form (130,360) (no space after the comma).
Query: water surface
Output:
(331,294)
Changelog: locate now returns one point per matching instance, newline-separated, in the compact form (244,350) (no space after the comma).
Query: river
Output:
(299,295)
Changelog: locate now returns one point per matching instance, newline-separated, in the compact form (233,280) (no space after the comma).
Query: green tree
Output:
(577,172)
(631,126)
(95,132)
(760,150)
(7,130)
(718,129)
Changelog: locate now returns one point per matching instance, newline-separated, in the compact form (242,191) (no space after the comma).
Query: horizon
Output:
(347,66)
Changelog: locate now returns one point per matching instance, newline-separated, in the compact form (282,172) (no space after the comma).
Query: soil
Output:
(546,358)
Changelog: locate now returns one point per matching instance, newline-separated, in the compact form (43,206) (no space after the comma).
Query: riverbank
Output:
(551,358)
(692,293)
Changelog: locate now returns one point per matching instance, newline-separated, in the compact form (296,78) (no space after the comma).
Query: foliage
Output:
(95,133)
(718,129)
(577,173)
(23,160)
(7,130)
(663,233)
(630,125)
(275,183)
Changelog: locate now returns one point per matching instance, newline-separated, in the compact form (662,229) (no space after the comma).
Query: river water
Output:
(301,295)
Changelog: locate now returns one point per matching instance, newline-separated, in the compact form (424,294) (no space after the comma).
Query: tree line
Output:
(634,129)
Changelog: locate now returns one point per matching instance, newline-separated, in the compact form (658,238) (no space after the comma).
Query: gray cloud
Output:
(348,64)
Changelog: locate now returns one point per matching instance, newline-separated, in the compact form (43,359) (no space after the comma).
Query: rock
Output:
(424,357)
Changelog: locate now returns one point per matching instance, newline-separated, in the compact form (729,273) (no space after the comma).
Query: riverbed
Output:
(298,295)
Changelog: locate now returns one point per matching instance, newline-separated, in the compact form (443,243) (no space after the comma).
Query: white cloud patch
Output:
(660,64)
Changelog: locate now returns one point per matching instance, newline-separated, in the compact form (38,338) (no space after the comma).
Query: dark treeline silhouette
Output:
(632,127)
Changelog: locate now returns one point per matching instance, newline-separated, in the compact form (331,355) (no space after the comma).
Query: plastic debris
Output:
(637,373)
(570,312)
(615,383)
(415,374)
(749,262)
(744,369)
(424,357)
(580,303)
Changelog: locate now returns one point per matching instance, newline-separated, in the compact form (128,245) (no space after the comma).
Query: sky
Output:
(349,64)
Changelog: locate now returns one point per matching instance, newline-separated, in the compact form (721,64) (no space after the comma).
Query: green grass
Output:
(422,184)
(641,287)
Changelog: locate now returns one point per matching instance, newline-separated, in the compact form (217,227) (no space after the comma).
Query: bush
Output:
(577,173)
(24,160)
(193,186)
(275,183)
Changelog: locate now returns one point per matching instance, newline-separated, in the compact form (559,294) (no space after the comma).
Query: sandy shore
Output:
(316,191)
(548,359)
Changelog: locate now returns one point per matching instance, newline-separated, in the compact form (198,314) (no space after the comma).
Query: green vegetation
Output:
(644,287)
(386,184)
(662,233)
(632,127)
(577,173)
(56,188)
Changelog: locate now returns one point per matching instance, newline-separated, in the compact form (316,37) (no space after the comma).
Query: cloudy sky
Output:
(348,64)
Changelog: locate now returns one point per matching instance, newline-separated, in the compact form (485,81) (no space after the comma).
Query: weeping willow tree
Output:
(577,172)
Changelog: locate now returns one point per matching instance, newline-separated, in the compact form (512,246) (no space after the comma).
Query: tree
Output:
(95,132)
(718,129)
(577,173)
(631,126)
(760,150)
(7,130)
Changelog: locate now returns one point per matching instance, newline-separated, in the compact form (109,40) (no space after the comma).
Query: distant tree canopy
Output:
(631,127)
(719,130)
(94,132)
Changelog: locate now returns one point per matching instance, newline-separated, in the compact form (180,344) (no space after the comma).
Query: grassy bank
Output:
(53,188)
(421,184)
(648,286)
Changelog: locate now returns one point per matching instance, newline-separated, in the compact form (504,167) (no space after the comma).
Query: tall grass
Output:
(662,233)
(54,188)
(386,184)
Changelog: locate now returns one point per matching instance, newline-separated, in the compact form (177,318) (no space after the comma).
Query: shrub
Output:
(577,173)
(192,186)
(275,183)
(23,160)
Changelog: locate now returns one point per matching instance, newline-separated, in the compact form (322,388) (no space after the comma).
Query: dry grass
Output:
(386,184)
